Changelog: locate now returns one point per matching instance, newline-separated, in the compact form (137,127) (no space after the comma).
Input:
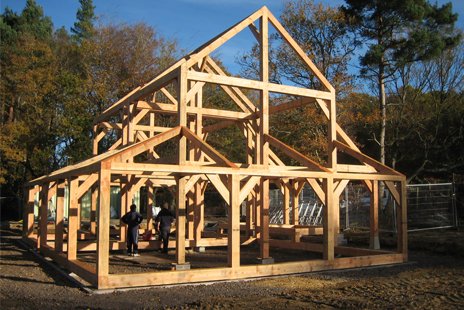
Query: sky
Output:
(191,22)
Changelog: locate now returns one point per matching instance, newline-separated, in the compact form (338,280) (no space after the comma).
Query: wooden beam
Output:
(374,242)
(43,215)
(180,220)
(73,224)
(286,36)
(258,85)
(317,189)
(103,227)
(233,235)
(220,187)
(365,159)
(219,40)
(328,220)
(59,216)
(294,154)
(249,185)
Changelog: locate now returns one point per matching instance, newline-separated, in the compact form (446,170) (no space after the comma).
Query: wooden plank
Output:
(103,227)
(258,85)
(233,236)
(169,96)
(28,225)
(294,154)
(317,189)
(340,187)
(220,187)
(365,159)
(393,191)
(59,217)
(328,220)
(43,215)
(374,242)
(158,82)
(206,148)
(243,272)
(180,220)
(286,201)
(355,168)
(286,36)
(88,183)
(73,224)
(234,93)
(199,213)
(82,269)
(249,185)
(219,40)
(402,222)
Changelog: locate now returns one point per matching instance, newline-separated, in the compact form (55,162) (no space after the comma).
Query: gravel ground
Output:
(430,281)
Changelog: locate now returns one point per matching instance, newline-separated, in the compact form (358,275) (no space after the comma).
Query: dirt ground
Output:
(432,280)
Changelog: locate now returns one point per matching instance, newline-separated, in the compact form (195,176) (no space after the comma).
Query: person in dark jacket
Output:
(163,223)
(133,220)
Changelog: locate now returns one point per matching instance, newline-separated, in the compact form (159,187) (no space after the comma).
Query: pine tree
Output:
(83,27)
(399,32)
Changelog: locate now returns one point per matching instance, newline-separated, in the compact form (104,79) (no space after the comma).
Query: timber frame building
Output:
(133,161)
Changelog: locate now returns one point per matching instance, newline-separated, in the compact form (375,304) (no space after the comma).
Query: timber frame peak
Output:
(128,152)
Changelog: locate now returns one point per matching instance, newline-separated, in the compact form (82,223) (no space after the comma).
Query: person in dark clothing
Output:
(133,220)
(163,223)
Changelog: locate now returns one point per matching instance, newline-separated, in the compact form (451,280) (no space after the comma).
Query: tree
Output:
(27,126)
(429,144)
(398,32)
(84,26)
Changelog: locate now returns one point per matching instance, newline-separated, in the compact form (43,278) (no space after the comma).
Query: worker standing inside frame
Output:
(163,223)
(133,220)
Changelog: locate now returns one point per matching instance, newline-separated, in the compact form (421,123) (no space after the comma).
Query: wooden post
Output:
(286,202)
(190,215)
(199,213)
(374,242)
(28,226)
(93,211)
(103,227)
(72,218)
(249,214)
(180,220)
(233,236)
(328,219)
(43,216)
(295,203)
(59,220)
(151,201)
(402,222)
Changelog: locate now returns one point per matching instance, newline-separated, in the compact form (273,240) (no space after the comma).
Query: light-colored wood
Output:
(317,189)
(365,159)
(72,219)
(294,154)
(135,160)
(180,221)
(103,228)
(59,217)
(328,220)
(233,250)
(243,272)
(43,215)
(252,84)
(393,191)
(286,202)
(374,242)
(402,222)
(249,185)
(28,226)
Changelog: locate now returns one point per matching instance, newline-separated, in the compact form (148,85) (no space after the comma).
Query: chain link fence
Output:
(430,206)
